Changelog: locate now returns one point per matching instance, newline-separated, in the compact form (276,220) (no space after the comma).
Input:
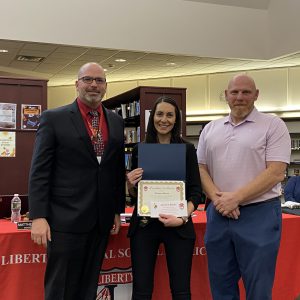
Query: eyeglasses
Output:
(89,80)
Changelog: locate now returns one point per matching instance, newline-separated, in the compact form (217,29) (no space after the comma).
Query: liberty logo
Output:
(23,258)
(115,284)
(106,293)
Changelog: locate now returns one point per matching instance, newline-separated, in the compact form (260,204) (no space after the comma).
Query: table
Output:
(22,265)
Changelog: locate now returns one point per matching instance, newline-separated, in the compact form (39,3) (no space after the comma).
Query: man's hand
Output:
(40,231)
(227,204)
(234,214)
(117,225)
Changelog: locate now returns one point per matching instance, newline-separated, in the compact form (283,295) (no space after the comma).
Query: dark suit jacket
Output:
(67,185)
(192,189)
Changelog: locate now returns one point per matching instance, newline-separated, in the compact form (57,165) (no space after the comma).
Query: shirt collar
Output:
(86,109)
(252,117)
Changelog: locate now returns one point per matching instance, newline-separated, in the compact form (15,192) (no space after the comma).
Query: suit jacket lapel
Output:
(81,129)
(110,128)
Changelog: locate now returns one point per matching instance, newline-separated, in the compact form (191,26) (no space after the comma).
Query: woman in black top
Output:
(177,234)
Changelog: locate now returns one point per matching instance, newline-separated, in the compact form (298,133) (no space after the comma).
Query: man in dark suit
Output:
(77,187)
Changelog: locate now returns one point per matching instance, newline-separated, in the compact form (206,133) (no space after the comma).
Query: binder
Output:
(162,161)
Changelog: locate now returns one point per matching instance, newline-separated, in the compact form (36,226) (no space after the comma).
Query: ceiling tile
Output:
(70,49)
(39,47)
(24,65)
(29,52)
(6,44)
(102,52)
(62,63)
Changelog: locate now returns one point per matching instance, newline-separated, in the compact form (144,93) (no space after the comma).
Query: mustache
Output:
(93,90)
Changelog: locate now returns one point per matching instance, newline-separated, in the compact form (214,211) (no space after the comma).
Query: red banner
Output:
(22,266)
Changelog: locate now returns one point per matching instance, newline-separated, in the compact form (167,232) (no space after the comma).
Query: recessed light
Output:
(3,51)
(171,64)
(120,60)
(104,70)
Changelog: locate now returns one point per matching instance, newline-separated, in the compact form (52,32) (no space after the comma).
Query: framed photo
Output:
(8,115)
(7,144)
(30,116)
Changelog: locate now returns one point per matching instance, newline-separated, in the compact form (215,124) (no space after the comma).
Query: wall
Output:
(279,90)
(61,95)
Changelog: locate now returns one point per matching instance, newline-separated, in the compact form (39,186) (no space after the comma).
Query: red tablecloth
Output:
(23,264)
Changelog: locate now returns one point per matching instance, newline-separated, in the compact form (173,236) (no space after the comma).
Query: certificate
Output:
(178,209)
(161,196)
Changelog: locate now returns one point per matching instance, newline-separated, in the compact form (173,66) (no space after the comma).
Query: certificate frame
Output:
(159,191)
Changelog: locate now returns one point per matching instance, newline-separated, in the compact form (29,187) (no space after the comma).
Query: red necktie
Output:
(97,139)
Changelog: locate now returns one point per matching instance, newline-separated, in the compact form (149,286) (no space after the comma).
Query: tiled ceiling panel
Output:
(61,63)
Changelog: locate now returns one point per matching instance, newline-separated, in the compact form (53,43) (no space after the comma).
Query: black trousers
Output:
(73,265)
(179,252)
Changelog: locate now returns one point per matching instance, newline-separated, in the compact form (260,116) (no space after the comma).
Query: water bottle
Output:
(16,209)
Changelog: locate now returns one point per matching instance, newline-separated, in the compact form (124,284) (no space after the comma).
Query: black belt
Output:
(261,202)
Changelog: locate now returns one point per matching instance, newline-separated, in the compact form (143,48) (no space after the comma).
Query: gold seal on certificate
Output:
(161,196)
(144,209)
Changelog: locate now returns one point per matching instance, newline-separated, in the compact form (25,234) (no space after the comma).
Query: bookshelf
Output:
(135,106)
(293,169)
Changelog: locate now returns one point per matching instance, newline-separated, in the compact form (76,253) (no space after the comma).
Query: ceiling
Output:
(60,63)
(257,4)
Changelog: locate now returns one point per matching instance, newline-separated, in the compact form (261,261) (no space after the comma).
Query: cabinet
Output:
(15,170)
(135,106)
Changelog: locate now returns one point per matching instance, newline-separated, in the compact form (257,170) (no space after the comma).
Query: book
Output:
(128,161)
(138,134)
(124,111)
(130,135)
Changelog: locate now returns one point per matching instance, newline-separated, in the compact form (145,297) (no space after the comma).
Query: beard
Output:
(241,112)
(93,99)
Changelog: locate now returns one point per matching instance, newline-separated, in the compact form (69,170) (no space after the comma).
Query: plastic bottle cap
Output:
(16,195)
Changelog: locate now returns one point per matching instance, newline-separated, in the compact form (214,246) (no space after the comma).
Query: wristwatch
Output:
(184,219)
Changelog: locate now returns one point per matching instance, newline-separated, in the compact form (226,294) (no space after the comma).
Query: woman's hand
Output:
(170,220)
(134,176)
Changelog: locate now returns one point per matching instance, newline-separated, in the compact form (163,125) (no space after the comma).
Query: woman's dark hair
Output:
(151,136)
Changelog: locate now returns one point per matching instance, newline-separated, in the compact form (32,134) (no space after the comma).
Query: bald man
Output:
(76,187)
(242,160)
